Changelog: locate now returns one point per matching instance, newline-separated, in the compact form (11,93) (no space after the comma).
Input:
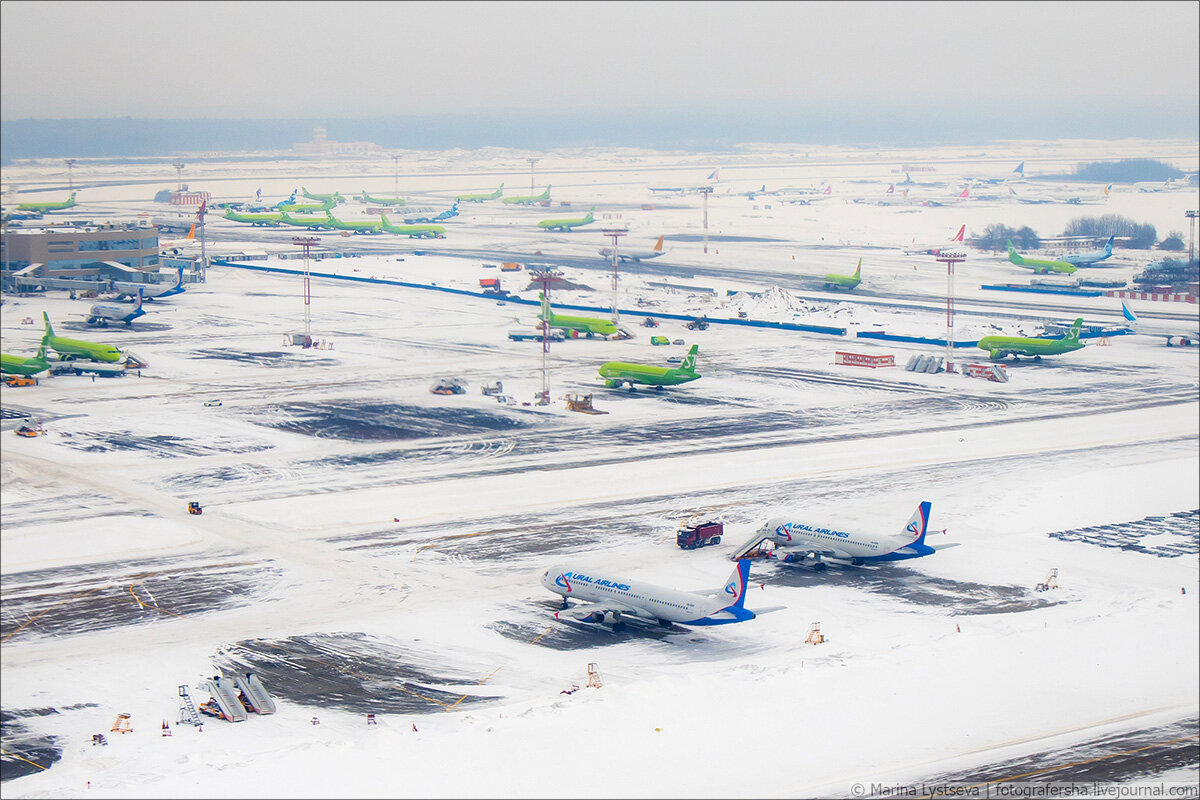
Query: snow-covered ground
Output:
(368,547)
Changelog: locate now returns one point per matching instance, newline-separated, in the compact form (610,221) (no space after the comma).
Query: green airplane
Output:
(414,231)
(336,197)
(479,198)
(1040,266)
(312,223)
(616,373)
(306,208)
(383,201)
(16,365)
(565,225)
(353,227)
(49,206)
(1000,346)
(589,326)
(77,348)
(835,281)
(527,200)
(271,218)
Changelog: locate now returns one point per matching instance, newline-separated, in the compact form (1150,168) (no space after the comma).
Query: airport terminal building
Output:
(77,250)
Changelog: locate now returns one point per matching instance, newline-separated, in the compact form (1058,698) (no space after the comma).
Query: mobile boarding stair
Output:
(233,699)
(757,546)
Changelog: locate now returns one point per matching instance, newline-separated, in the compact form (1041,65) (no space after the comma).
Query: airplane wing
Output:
(604,612)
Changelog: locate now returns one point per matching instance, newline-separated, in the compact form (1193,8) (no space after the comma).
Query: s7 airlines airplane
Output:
(616,373)
(613,600)
(61,205)
(635,255)
(999,347)
(590,326)
(935,249)
(835,281)
(78,347)
(528,199)
(479,198)
(567,225)
(1040,266)
(17,365)
(815,542)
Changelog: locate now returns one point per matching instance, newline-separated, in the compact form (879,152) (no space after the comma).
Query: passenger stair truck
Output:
(224,702)
(254,695)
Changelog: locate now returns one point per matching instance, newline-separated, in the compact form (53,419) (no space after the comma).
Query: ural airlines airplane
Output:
(811,541)
(612,600)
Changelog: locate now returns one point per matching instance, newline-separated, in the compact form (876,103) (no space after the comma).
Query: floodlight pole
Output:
(1191,215)
(950,259)
(531,161)
(396,178)
(70,183)
(306,242)
(179,174)
(706,191)
(615,234)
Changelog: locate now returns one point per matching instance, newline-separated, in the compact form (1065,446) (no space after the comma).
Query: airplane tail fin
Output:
(689,362)
(1129,315)
(918,523)
(546,314)
(1012,254)
(966,193)
(1108,245)
(735,588)
(191,233)
(829,190)
(49,330)
(958,237)
(658,246)
(179,280)
(858,269)
(1107,189)
(1076,328)
(141,293)
(1020,170)
(41,351)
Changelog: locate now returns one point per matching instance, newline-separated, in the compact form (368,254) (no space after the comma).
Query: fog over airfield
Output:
(365,59)
(745,71)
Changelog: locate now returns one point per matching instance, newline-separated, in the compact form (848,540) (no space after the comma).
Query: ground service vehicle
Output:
(19,380)
(692,536)
(194,508)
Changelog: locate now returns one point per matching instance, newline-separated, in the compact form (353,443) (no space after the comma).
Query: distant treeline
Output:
(1140,236)
(1128,170)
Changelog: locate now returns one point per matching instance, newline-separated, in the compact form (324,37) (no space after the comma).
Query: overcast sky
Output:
(303,59)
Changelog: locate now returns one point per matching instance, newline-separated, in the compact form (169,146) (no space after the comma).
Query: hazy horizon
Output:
(211,76)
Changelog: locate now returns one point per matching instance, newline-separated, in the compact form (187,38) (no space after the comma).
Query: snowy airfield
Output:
(368,547)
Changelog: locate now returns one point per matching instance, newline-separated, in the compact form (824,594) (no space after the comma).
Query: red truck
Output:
(692,536)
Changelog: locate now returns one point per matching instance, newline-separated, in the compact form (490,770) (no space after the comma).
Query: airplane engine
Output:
(1178,341)
(613,384)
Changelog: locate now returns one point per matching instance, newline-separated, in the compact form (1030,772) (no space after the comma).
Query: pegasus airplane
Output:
(527,200)
(611,600)
(1176,333)
(805,541)
(479,198)
(935,249)
(62,205)
(1040,266)
(566,225)
(633,254)
(999,347)
(1089,259)
(616,373)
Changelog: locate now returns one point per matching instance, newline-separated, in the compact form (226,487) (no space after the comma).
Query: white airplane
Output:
(635,255)
(811,541)
(807,196)
(936,249)
(103,313)
(1030,199)
(1176,333)
(148,292)
(613,600)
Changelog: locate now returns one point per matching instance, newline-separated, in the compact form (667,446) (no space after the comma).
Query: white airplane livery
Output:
(810,541)
(1176,333)
(635,255)
(613,600)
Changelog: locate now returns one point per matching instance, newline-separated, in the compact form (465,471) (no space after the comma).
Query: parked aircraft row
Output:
(614,601)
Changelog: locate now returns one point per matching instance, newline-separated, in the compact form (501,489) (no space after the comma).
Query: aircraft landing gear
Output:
(565,604)
(820,566)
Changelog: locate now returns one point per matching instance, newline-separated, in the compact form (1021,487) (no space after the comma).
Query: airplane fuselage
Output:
(855,547)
